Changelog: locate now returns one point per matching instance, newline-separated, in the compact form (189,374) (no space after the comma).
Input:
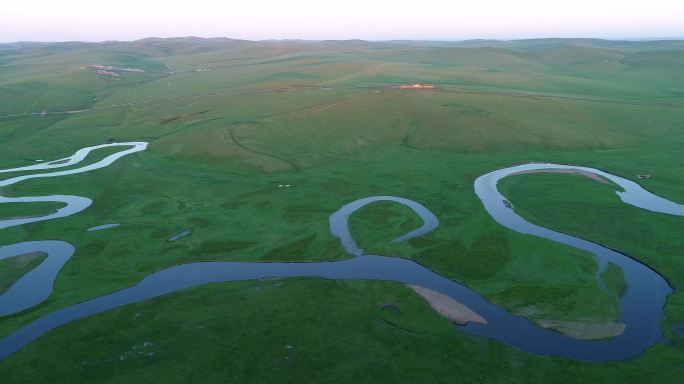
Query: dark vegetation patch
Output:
(291,251)
(13,268)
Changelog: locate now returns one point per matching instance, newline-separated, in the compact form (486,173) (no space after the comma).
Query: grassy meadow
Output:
(229,120)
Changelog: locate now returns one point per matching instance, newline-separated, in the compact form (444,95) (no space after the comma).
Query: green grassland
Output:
(10,210)
(319,116)
(14,268)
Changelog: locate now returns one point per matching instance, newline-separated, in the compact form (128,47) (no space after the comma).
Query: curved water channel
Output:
(36,285)
(641,306)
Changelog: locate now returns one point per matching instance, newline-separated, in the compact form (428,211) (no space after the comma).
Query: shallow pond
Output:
(101,227)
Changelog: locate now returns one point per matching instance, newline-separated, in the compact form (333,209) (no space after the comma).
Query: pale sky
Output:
(93,20)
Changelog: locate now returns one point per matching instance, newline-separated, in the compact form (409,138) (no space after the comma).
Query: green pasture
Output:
(229,121)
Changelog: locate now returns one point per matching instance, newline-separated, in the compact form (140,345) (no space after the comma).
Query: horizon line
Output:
(441,40)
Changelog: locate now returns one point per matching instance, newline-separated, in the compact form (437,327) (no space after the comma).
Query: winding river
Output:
(36,285)
(641,306)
